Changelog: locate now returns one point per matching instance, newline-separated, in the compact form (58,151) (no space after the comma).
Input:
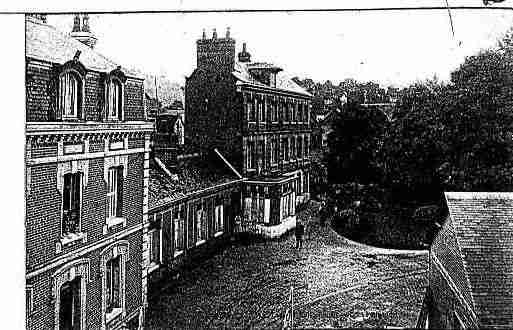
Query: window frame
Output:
(158,232)
(251,106)
(119,249)
(29,300)
(180,220)
(81,193)
(251,155)
(61,99)
(200,218)
(218,217)
(114,195)
(110,87)
(112,310)
(77,268)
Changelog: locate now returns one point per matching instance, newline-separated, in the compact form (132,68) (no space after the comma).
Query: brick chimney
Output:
(244,56)
(216,54)
(82,32)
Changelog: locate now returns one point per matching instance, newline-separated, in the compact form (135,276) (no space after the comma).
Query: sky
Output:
(389,47)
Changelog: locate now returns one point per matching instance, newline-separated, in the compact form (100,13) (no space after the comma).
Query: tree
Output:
(354,145)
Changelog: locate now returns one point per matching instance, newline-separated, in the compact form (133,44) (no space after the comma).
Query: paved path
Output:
(337,284)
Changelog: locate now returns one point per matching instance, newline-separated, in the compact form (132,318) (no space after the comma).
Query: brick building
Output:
(471,263)
(87,154)
(260,120)
(193,202)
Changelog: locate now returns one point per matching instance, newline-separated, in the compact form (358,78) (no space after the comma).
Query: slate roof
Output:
(483,223)
(283,81)
(190,176)
(45,42)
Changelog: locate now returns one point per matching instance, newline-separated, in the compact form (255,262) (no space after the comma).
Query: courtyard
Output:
(336,283)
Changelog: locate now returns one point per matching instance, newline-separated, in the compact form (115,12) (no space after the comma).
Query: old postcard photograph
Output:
(294,167)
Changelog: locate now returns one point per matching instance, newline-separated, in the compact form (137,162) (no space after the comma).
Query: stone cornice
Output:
(38,128)
(75,132)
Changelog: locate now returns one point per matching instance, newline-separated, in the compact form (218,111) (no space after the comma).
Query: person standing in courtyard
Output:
(299,232)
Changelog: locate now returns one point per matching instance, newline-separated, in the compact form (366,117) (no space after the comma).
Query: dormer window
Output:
(115,99)
(70,88)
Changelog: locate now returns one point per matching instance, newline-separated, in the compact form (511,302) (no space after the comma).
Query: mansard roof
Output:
(483,223)
(44,42)
(283,81)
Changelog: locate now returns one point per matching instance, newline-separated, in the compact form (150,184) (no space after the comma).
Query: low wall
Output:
(276,230)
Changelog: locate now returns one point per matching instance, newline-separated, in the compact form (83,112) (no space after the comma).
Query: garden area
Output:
(388,169)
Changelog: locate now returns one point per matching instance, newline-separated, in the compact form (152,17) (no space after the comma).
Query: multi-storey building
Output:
(87,174)
(259,119)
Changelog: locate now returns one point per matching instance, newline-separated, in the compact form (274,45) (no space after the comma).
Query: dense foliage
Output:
(455,136)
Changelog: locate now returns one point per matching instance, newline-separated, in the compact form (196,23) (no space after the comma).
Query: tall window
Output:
(260,153)
(113,291)
(251,154)
(251,110)
(299,147)
(307,146)
(69,94)
(285,148)
(69,305)
(292,148)
(114,192)
(155,238)
(275,111)
(178,225)
(218,217)
(71,203)
(261,111)
(275,151)
(201,228)
(115,99)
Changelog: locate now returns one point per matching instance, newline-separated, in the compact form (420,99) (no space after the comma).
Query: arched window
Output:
(70,88)
(115,100)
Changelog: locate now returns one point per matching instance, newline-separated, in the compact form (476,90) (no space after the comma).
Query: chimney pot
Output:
(228,33)
(76,23)
(204,36)
(214,34)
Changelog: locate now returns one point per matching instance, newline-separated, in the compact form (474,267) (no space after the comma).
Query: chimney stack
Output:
(244,56)
(216,54)
(82,32)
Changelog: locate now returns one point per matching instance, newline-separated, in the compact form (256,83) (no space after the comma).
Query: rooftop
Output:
(483,223)
(46,43)
(191,175)
(283,81)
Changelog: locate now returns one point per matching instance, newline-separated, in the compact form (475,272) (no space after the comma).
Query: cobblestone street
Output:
(336,284)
